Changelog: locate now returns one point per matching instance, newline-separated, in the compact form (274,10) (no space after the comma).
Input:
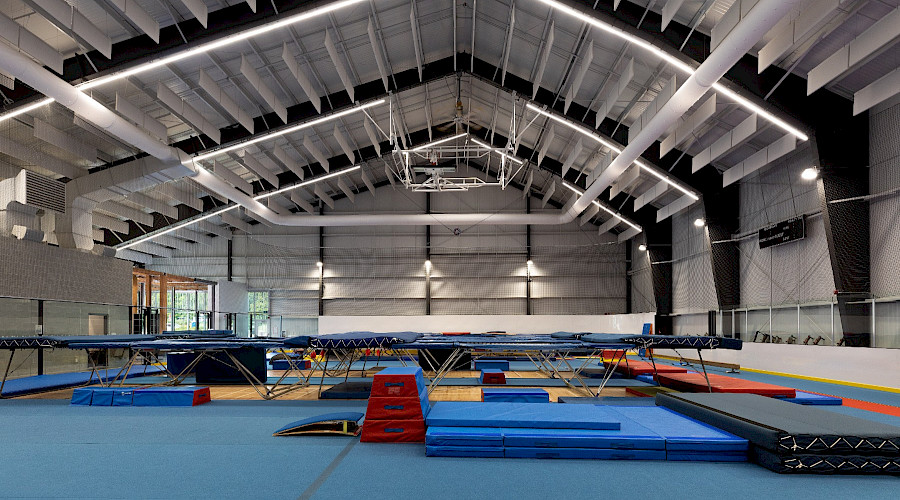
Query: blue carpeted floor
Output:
(49,449)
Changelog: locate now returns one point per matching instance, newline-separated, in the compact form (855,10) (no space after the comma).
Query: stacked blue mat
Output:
(529,430)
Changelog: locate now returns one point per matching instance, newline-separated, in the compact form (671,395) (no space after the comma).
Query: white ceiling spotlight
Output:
(699,222)
(809,174)
(642,247)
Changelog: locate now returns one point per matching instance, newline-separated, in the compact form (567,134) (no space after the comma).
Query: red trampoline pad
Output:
(695,382)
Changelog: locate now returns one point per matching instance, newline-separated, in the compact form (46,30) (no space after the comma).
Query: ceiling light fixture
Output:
(603,207)
(699,222)
(222,210)
(498,151)
(642,247)
(285,131)
(615,149)
(809,174)
(674,61)
(201,49)
(439,141)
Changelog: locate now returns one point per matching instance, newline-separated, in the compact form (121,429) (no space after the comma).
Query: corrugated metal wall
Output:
(381,270)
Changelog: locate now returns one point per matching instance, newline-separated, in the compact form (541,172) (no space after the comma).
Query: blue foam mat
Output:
(549,416)
(631,436)
(464,436)
(464,451)
(699,456)
(809,398)
(607,401)
(591,453)
(682,433)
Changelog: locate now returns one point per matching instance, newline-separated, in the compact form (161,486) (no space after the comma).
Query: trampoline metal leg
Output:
(700,357)
(6,373)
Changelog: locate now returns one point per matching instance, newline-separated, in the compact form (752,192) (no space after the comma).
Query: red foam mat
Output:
(393,431)
(695,382)
(635,368)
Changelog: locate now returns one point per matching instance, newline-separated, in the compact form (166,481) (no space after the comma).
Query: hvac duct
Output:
(755,24)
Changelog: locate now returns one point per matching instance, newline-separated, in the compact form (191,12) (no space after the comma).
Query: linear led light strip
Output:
(201,49)
(718,87)
(604,207)
(498,151)
(613,148)
(439,141)
(222,210)
(289,130)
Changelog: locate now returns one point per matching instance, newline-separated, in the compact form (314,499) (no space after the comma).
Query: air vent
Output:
(41,192)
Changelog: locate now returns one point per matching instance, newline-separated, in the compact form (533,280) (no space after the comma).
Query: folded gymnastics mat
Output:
(184,395)
(631,436)
(497,364)
(635,368)
(82,396)
(785,427)
(524,395)
(682,433)
(464,436)
(648,379)
(705,456)
(492,376)
(787,437)
(696,382)
(818,464)
(547,416)
(464,451)
(393,431)
(398,381)
(810,398)
(592,453)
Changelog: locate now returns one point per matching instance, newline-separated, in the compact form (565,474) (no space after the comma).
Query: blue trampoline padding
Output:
(531,415)
(682,433)
(353,340)
(348,416)
(568,335)
(299,341)
(464,436)
(700,456)
(809,398)
(463,451)
(631,436)
(39,383)
(196,333)
(590,453)
(82,396)
(523,395)
(498,364)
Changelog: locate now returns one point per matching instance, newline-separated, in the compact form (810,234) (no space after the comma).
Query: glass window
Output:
(259,313)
